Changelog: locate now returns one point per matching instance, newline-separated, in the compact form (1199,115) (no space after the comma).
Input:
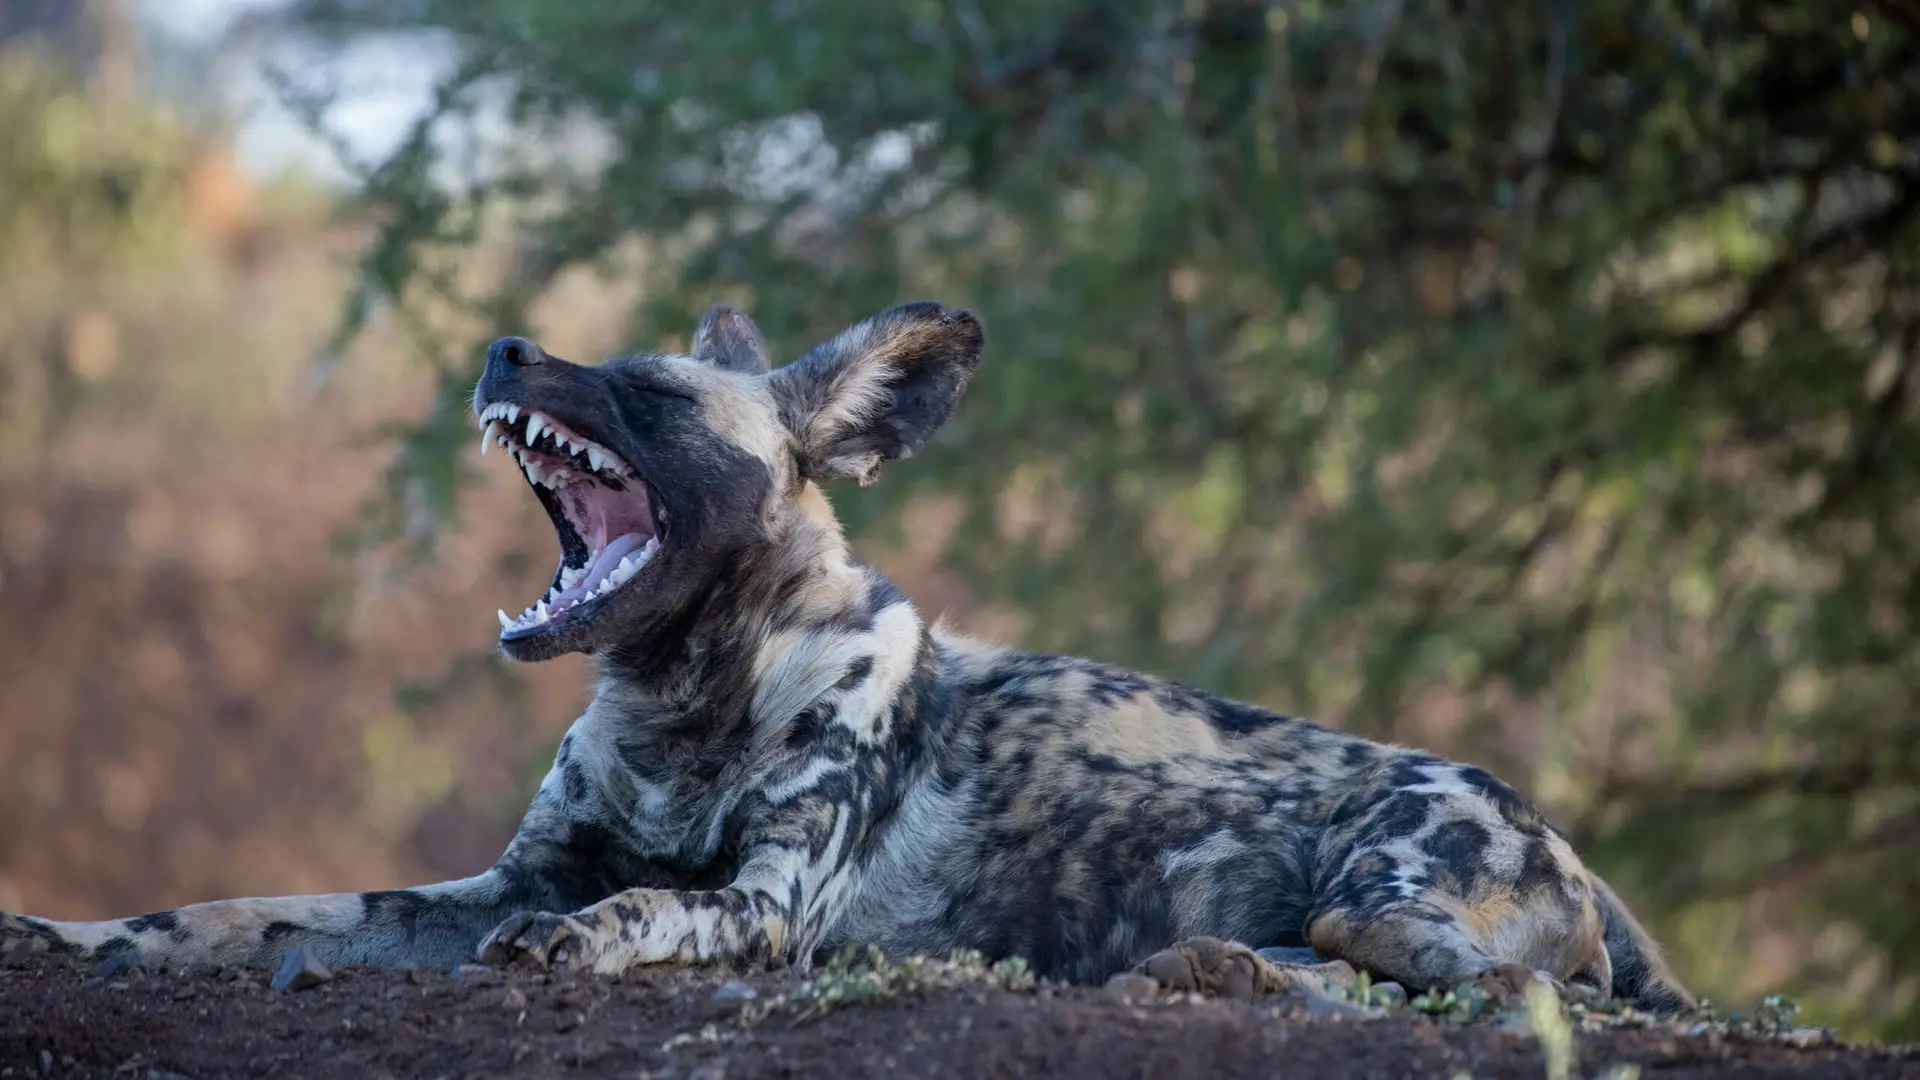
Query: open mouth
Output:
(603,510)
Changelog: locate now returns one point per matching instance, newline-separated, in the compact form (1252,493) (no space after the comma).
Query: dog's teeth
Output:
(504,621)
(513,414)
(486,443)
(594,459)
(534,427)
(534,471)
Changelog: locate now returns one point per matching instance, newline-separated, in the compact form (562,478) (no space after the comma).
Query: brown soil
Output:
(55,1020)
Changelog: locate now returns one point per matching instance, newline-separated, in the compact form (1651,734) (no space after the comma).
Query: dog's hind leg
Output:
(1432,875)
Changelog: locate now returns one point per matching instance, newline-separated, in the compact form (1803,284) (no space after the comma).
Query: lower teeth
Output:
(544,609)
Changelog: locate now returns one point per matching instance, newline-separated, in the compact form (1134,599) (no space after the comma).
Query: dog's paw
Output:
(1506,982)
(1232,970)
(550,941)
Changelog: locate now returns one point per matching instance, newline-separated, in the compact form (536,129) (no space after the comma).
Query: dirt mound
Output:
(55,1020)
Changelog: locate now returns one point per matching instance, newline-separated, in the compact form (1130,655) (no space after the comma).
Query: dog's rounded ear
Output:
(729,340)
(879,390)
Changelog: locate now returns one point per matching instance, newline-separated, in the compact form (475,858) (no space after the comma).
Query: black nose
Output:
(517,351)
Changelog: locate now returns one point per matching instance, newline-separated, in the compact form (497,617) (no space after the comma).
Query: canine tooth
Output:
(504,621)
(534,427)
(540,610)
(594,459)
(533,470)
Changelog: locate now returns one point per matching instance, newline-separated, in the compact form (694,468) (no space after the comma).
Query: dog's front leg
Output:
(558,859)
(792,887)
(431,926)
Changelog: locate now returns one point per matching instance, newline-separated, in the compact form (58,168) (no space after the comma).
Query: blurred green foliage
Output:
(1536,381)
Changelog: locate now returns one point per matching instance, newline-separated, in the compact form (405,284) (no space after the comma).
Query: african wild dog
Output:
(783,757)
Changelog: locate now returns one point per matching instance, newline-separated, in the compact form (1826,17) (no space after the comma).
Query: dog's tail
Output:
(1640,973)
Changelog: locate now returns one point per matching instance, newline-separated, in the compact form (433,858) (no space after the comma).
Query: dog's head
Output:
(661,472)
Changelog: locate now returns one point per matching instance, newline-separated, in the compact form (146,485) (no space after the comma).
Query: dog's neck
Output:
(696,674)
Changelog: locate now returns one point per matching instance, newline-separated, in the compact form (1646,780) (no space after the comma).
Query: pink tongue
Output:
(609,557)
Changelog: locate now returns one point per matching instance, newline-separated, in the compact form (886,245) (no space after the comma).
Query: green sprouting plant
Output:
(859,975)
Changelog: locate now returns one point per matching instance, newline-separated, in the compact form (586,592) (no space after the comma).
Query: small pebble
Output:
(1807,1037)
(1130,988)
(1317,1005)
(1389,995)
(300,971)
(475,975)
(735,990)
